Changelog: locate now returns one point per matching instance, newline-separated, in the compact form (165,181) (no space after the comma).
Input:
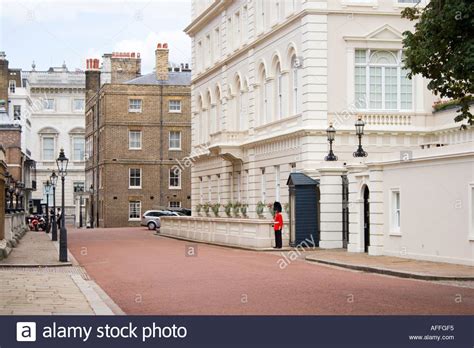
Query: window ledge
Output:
(174,188)
(175,149)
(135,111)
(134,149)
(174,112)
(395,233)
(134,188)
(134,219)
(471,237)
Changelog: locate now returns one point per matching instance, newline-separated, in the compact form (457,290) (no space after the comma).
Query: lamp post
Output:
(54,180)
(20,188)
(11,190)
(331,132)
(47,187)
(8,178)
(62,162)
(91,191)
(359,125)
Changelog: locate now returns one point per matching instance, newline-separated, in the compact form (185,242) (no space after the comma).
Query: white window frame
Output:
(12,86)
(130,178)
(399,67)
(178,187)
(395,213)
(74,159)
(172,109)
(180,142)
(130,210)
(49,102)
(263,185)
(52,136)
(130,147)
(178,205)
(74,105)
(131,102)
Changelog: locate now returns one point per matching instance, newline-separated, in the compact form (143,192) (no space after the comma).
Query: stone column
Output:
(330,186)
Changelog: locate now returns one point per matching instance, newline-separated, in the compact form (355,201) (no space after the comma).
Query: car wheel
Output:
(151,225)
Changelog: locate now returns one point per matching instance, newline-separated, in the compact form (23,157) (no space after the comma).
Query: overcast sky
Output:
(52,31)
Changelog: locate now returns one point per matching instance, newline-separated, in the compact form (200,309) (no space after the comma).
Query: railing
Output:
(387,119)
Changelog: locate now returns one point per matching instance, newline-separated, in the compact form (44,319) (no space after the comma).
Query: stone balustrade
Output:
(15,228)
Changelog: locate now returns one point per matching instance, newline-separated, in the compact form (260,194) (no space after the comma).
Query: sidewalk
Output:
(34,282)
(396,266)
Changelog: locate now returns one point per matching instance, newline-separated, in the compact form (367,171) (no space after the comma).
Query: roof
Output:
(300,179)
(182,78)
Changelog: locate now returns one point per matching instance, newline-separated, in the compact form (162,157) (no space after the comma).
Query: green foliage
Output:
(236,208)
(441,49)
(244,208)
(205,207)
(260,208)
(215,208)
(228,208)
(198,208)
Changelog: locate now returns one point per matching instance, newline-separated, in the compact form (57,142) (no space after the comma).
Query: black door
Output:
(345,211)
(366,220)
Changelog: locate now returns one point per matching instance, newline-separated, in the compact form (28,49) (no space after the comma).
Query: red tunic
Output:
(278,222)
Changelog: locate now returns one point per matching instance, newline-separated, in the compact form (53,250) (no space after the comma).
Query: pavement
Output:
(34,282)
(149,274)
(396,266)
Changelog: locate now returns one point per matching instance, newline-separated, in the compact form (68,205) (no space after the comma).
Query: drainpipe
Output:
(161,147)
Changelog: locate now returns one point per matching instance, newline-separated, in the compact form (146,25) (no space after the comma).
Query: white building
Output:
(269,77)
(58,121)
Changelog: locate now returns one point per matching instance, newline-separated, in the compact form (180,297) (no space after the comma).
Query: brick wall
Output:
(10,138)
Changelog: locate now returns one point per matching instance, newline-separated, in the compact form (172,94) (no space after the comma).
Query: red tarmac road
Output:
(147,274)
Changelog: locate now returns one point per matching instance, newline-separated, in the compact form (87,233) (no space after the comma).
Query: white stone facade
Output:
(58,121)
(268,78)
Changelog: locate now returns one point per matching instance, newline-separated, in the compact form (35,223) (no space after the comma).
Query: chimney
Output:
(4,79)
(92,77)
(161,54)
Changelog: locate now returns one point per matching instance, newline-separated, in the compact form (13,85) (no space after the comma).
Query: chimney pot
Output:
(165,45)
(159,45)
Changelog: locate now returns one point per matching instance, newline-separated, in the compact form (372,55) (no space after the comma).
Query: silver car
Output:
(151,219)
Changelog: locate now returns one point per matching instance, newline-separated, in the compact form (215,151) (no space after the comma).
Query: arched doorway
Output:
(366,219)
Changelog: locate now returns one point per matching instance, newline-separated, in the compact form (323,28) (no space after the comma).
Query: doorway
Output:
(345,211)
(366,220)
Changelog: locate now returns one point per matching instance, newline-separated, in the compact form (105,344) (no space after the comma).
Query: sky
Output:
(51,32)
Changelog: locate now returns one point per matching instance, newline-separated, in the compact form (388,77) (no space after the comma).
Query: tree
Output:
(441,49)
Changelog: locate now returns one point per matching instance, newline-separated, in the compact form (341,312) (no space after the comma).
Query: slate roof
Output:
(300,179)
(182,78)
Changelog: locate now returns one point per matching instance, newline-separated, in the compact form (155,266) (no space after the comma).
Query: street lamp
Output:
(54,180)
(62,162)
(20,188)
(331,132)
(11,190)
(359,125)
(91,191)
(8,179)
(47,187)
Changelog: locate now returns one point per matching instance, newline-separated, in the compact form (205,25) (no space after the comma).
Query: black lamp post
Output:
(8,178)
(11,191)
(62,162)
(331,132)
(20,194)
(54,180)
(47,187)
(91,191)
(359,125)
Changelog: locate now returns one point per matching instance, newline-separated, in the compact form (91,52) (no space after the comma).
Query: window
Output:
(395,211)
(134,105)
(239,186)
(294,78)
(217,44)
(134,210)
(78,148)
(263,185)
(209,189)
(47,195)
(134,140)
(201,198)
(78,105)
(174,106)
(48,148)
(78,186)
(175,205)
(48,104)
(279,93)
(277,183)
(218,188)
(229,35)
(175,178)
(237,31)
(381,83)
(135,178)
(12,86)
(16,112)
(175,140)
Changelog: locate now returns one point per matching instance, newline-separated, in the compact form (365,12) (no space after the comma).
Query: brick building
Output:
(138,128)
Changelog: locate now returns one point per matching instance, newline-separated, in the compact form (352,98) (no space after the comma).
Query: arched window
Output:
(238,119)
(263,96)
(295,98)
(218,111)
(200,128)
(278,92)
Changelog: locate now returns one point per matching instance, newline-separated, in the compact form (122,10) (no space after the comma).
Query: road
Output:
(148,274)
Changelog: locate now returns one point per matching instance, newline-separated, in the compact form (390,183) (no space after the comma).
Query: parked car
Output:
(182,211)
(151,219)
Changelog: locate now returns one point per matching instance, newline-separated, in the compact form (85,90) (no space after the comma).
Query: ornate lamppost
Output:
(54,180)
(19,196)
(8,177)
(47,187)
(11,191)
(62,162)
(331,133)
(359,125)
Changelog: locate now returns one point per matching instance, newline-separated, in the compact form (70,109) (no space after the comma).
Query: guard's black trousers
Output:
(278,242)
